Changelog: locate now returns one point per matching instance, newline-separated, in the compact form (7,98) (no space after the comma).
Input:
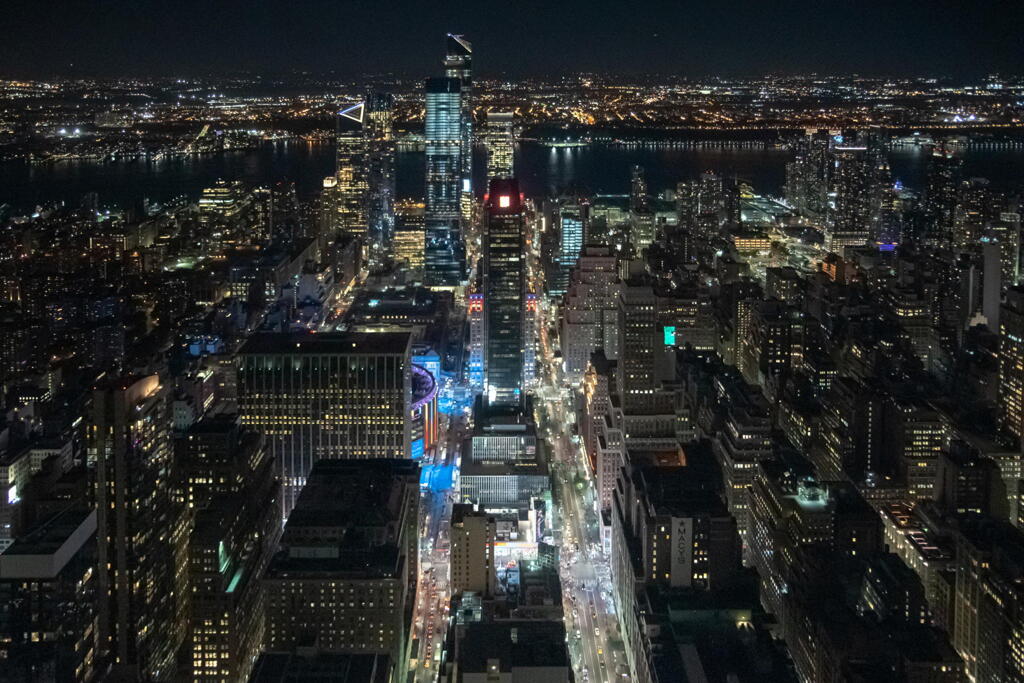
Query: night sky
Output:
(728,37)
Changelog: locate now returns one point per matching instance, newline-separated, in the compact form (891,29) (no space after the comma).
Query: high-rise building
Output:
(230,481)
(590,315)
(639,343)
(344,396)
(499,136)
(473,535)
(988,629)
(350,190)
(641,216)
(443,130)
(378,131)
(142,550)
(942,192)
(504,278)
(806,187)
(48,592)
(849,223)
(477,341)
(1011,362)
(345,576)
(458,63)
(916,434)
(408,245)
(227,215)
(573,216)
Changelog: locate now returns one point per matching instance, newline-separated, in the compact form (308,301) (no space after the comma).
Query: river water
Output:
(541,170)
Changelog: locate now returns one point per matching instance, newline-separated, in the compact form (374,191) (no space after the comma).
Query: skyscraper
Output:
(350,190)
(227,477)
(499,136)
(1011,362)
(458,63)
(378,131)
(142,531)
(445,253)
(343,396)
(504,272)
(346,574)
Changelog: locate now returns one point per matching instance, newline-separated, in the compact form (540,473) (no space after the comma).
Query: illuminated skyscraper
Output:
(499,135)
(378,131)
(476,341)
(350,191)
(458,63)
(1011,362)
(942,192)
(504,272)
(849,222)
(344,396)
(142,530)
(641,217)
(445,253)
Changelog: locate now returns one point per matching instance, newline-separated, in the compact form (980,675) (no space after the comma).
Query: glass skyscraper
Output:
(350,190)
(378,132)
(445,255)
(504,274)
(458,63)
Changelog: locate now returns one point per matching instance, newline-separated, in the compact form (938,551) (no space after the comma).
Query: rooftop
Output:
(515,644)
(330,343)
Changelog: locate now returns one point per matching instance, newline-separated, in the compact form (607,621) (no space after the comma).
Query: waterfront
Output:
(542,170)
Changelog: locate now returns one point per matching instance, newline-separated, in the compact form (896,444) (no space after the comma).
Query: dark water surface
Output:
(541,170)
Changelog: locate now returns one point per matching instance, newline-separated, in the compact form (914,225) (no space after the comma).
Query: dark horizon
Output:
(736,38)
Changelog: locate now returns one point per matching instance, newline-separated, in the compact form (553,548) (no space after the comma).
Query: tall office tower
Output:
(639,199)
(473,535)
(1011,362)
(774,345)
(500,138)
(686,204)
(976,206)
(710,196)
(445,252)
(142,554)
(350,190)
(639,341)
(988,601)
(590,314)
(319,396)
(849,222)
(530,321)
(227,214)
(849,439)
(458,63)
(48,596)
(378,131)
(345,577)
(230,480)
(504,288)
(641,216)
(806,187)
(915,435)
(942,187)
(572,215)
(1004,230)
(407,248)
(477,341)
(888,227)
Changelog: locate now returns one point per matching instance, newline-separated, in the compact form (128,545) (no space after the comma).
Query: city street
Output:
(589,612)
(433,595)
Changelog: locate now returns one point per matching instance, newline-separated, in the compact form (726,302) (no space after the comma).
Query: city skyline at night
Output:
(561,343)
